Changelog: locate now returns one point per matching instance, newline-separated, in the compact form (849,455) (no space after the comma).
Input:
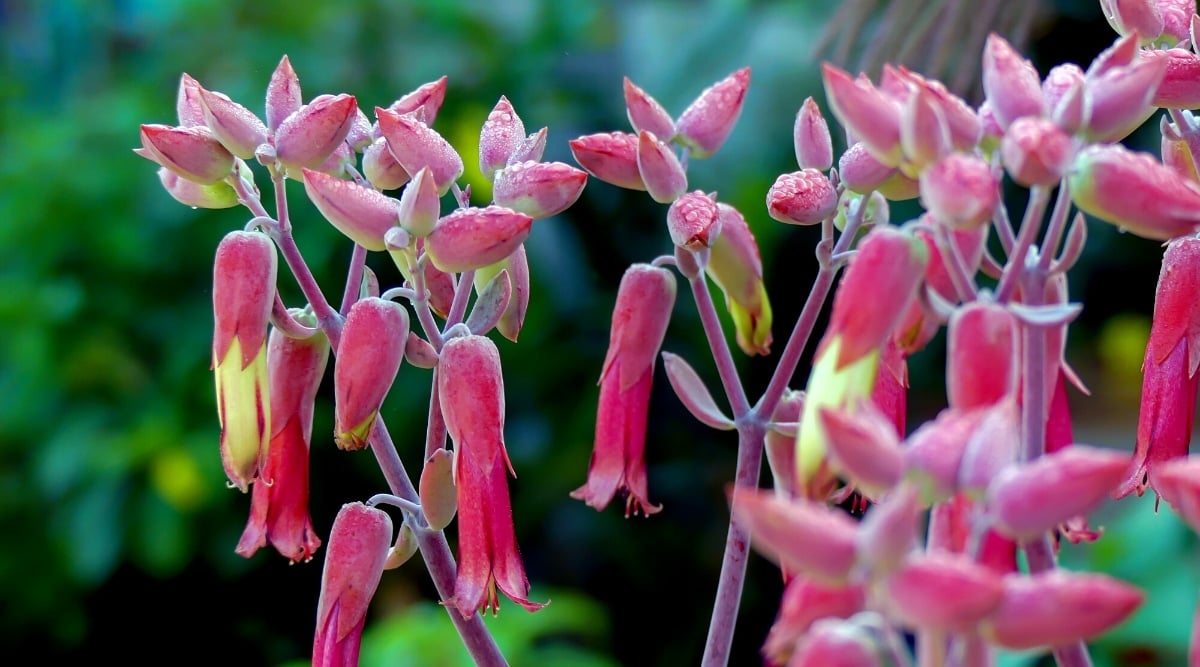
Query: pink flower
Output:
(471,395)
(279,507)
(1170,381)
(358,547)
(639,323)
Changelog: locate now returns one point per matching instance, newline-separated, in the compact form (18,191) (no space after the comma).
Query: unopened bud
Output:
(707,121)
(368,358)
(416,145)
(502,133)
(538,189)
(307,137)
(692,221)
(661,171)
(803,197)
(363,214)
(472,238)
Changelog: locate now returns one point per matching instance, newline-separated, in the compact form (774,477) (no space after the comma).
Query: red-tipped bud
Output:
(610,157)
(943,592)
(785,531)
(309,136)
(865,447)
(735,265)
(1134,191)
(368,359)
(810,136)
(1180,87)
(538,189)
(661,170)
(379,166)
(502,133)
(1030,499)
(692,221)
(235,126)
(191,152)
(803,197)
(1010,82)
(191,193)
(1058,607)
(646,114)
(358,547)
(283,94)
(187,102)
(472,238)
(424,102)
(1036,151)
(982,364)
(363,214)
(420,204)
(707,121)
(868,113)
(960,190)
(416,145)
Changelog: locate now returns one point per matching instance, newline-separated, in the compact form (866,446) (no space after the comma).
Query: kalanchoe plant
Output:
(946,506)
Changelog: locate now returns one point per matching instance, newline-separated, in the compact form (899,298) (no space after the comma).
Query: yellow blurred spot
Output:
(464,136)
(1121,347)
(176,477)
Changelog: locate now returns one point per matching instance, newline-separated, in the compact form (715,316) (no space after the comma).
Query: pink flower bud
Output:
(735,265)
(865,447)
(991,447)
(279,508)
(924,132)
(538,189)
(1010,82)
(379,166)
(187,102)
(362,214)
(805,602)
(244,274)
(1027,500)
(646,114)
(610,157)
(531,148)
(438,500)
(1120,54)
(887,534)
(1180,86)
(1066,97)
(886,271)
(960,190)
(692,221)
(639,323)
(307,137)
(471,238)
(1058,607)
(1178,16)
(707,121)
(661,171)
(416,145)
(934,453)
(1141,17)
(693,394)
(982,364)
(361,132)
(502,133)
(1134,191)
(517,265)
(235,126)
(942,591)
(785,531)
(860,171)
(358,547)
(191,152)
(368,359)
(283,94)
(1178,482)
(810,135)
(1177,155)
(803,197)
(191,193)
(424,102)
(420,205)
(872,116)
(833,643)
(1121,98)
(1036,151)
(962,121)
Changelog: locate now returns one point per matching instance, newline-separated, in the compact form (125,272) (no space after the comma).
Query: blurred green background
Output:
(117,528)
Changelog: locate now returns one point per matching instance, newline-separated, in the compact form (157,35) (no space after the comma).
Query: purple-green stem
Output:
(435,550)
(752,427)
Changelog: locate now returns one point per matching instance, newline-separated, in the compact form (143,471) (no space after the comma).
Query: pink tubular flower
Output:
(471,396)
(358,547)
(1170,380)
(279,507)
(243,293)
(639,323)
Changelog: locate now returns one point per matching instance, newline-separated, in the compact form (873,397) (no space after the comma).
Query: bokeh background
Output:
(116,529)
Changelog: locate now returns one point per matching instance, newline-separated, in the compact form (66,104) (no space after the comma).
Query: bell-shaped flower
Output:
(639,323)
(735,265)
(243,293)
(1169,372)
(471,397)
(707,122)
(982,355)
(359,542)
(1135,192)
(368,359)
(610,157)
(279,507)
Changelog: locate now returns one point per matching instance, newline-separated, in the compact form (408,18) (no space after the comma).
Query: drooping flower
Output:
(279,508)
(639,323)
(1169,380)
(243,293)
(471,397)
(358,548)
